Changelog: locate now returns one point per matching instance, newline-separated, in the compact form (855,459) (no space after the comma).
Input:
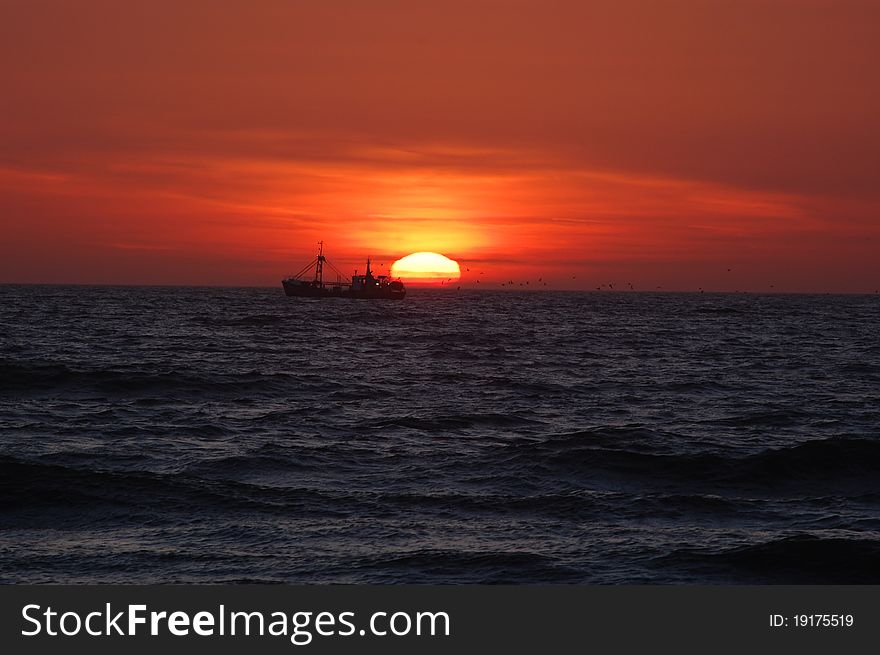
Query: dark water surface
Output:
(213,435)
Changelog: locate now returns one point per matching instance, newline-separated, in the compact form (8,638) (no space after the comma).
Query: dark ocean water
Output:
(216,435)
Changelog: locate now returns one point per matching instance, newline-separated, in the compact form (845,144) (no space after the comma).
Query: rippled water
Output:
(209,435)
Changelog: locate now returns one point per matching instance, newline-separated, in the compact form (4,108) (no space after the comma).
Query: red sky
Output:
(644,141)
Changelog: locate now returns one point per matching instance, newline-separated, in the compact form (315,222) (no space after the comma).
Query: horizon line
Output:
(450,289)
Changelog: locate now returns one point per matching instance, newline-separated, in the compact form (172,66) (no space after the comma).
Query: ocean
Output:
(209,435)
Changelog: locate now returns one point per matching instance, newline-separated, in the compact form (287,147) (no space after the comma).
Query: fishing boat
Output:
(310,282)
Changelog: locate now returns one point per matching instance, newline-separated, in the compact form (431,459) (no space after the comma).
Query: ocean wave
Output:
(794,559)
(250,320)
(843,461)
(23,379)
(779,418)
(46,493)
(461,566)
(718,311)
(455,421)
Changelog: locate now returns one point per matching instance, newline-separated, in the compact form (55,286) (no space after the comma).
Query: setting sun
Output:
(426,268)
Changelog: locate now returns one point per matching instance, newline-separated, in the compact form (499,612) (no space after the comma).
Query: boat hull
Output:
(295,288)
(298,289)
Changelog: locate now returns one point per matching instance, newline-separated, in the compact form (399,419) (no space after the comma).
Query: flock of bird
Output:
(602,287)
(540,282)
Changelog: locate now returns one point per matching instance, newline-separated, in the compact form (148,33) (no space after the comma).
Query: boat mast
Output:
(319,266)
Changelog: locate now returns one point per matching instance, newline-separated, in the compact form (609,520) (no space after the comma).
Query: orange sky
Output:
(612,141)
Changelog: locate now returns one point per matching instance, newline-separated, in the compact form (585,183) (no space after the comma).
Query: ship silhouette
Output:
(310,282)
